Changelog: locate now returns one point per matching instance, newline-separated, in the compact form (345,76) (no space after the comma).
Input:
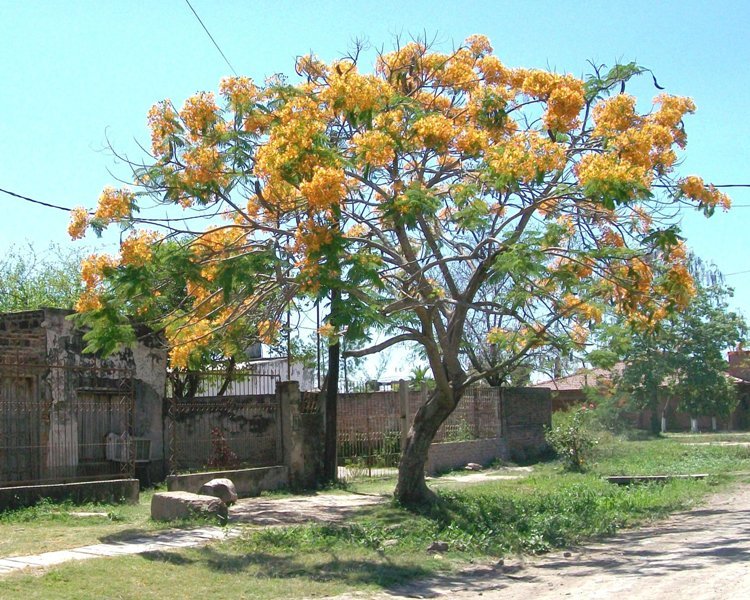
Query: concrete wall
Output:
(249,482)
(115,490)
(455,455)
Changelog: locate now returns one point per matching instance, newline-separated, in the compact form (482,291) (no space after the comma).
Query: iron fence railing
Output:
(58,422)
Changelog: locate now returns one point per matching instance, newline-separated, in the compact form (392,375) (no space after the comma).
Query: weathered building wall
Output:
(80,397)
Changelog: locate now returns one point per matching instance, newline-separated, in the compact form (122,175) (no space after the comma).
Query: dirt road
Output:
(700,554)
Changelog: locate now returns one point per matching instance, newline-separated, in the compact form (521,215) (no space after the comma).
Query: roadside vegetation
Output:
(386,545)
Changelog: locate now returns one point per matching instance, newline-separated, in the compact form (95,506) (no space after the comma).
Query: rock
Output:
(221,488)
(389,543)
(168,506)
(473,467)
(567,554)
(437,547)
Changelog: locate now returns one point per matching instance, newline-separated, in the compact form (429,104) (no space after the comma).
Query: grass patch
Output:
(667,456)
(234,569)
(49,526)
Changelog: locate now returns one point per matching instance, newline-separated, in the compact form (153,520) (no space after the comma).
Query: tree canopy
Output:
(422,195)
(31,279)
(682,357)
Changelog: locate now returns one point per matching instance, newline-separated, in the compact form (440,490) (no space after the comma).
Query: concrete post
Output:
(302,437)
(288,395)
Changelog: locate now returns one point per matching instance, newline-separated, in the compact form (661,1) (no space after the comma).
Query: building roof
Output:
(578,380)
(592,376)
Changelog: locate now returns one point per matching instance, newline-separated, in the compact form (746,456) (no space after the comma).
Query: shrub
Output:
(572,438)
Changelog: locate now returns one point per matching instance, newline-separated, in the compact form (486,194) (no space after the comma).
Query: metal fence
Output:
(216,423)
(369,433)
(65,423)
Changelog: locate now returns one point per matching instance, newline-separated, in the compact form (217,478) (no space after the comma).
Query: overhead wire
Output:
(226,60)
(68,209)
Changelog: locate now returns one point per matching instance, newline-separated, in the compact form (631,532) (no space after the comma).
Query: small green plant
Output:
(571,438)
(462,431)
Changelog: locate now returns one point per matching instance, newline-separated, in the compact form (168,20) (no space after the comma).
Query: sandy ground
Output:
(700,554)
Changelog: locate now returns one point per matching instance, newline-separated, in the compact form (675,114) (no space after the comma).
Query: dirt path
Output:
(700,554)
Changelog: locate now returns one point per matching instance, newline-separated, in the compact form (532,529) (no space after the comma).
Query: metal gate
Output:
(369,429)
(65,423)
(215,424)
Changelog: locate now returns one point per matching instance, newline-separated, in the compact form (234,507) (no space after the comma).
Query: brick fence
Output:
(489,423)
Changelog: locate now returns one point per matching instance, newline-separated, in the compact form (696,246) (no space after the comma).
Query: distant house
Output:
(571,391)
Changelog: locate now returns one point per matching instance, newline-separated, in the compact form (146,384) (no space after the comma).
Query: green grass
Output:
(385,545)
(223,570)
(50,526)
(668,456)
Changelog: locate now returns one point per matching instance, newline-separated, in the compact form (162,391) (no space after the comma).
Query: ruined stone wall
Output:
(22,337)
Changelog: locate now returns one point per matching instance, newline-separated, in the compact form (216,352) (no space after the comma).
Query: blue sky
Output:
(77,75)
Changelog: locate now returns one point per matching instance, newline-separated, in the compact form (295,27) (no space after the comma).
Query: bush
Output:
(572,438)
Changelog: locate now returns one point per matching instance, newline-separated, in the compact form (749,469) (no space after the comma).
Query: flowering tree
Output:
(406,195)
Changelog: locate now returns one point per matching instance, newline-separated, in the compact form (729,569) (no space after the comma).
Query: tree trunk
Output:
(411,488)
(330,460)
(655,419)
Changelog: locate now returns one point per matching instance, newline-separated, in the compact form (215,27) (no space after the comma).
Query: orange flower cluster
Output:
(375,147)
(615,115)
(311,66)
(114,205)
(93,268)
(637,146)
(581,309)
(434,131)
(390,64)
(136,249)
(695,189)
(239,91)
(300,121)
(325,190)
(199,113)
(163,123)
(562,93)
(608,168)
(185,339)
(203,165)
(79,221)
(347,91)
(458,71)
(525,155)
(268,331)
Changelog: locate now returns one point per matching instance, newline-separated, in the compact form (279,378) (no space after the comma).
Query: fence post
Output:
(403,397)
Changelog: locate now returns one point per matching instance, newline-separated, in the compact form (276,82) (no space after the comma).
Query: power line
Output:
(226,60)
(27,199)
(68,209)
(737,273)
